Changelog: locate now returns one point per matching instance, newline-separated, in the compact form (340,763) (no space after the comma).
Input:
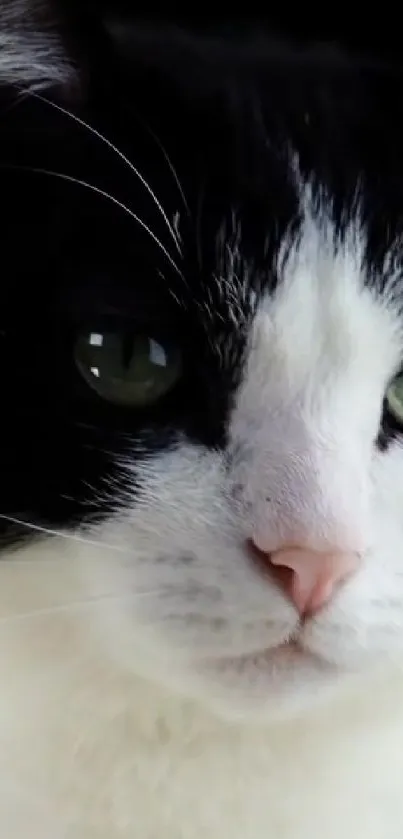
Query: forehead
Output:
(327,322)
(214,127)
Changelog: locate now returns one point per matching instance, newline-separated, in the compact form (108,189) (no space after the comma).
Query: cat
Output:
(201,343)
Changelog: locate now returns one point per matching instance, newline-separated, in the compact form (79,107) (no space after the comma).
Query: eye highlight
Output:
(394,399)
(125,368)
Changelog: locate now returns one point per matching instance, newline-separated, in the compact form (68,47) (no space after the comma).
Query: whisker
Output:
(70,179)
(74,537)
(171,293)
(75,604)
(119,154)
(199,225)
(169,162)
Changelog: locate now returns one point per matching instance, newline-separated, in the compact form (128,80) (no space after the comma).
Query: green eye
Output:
(394,398)
(126,369)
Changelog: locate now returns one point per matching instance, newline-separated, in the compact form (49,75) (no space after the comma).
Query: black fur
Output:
(229,105)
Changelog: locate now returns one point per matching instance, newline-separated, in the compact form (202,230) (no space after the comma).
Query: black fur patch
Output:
(211,117)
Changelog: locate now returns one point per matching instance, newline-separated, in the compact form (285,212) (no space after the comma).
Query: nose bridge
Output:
(311,493)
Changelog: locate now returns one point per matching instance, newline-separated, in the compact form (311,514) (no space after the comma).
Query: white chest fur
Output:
(87,754)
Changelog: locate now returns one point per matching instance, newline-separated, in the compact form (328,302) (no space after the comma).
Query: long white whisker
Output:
(98,191)
(119,154)
(199,226)
(60,534)
(171,293)
(170,165)
(75,604)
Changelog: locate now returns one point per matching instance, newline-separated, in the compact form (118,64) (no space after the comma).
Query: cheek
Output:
(185,573)
(212,601)
(387,485)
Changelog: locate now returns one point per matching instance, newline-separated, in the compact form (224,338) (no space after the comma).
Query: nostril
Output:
(279,574)
(309,579)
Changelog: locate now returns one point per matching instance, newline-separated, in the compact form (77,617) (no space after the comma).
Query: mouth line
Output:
(292,650)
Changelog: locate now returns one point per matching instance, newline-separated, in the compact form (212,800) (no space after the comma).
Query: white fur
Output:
(143,689)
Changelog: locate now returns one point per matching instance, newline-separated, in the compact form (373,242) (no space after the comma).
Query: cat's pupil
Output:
(128,340)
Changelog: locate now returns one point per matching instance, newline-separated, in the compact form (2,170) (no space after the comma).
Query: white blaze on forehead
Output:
(307,414)
(323,320)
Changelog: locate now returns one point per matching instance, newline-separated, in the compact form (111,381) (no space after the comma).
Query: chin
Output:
(264,687)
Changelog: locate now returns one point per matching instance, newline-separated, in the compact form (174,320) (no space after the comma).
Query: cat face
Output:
(201,340)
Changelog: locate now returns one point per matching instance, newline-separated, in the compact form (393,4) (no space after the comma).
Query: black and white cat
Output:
(201,345)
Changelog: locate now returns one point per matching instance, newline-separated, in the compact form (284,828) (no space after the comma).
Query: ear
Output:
(31,49)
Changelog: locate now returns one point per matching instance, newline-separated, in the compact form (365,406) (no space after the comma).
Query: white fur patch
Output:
(143,692)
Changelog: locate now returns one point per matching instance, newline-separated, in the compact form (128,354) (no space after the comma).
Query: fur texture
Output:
(236,202)
(30,46)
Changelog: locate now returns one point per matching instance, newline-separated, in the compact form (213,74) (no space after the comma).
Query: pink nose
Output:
(309,578)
